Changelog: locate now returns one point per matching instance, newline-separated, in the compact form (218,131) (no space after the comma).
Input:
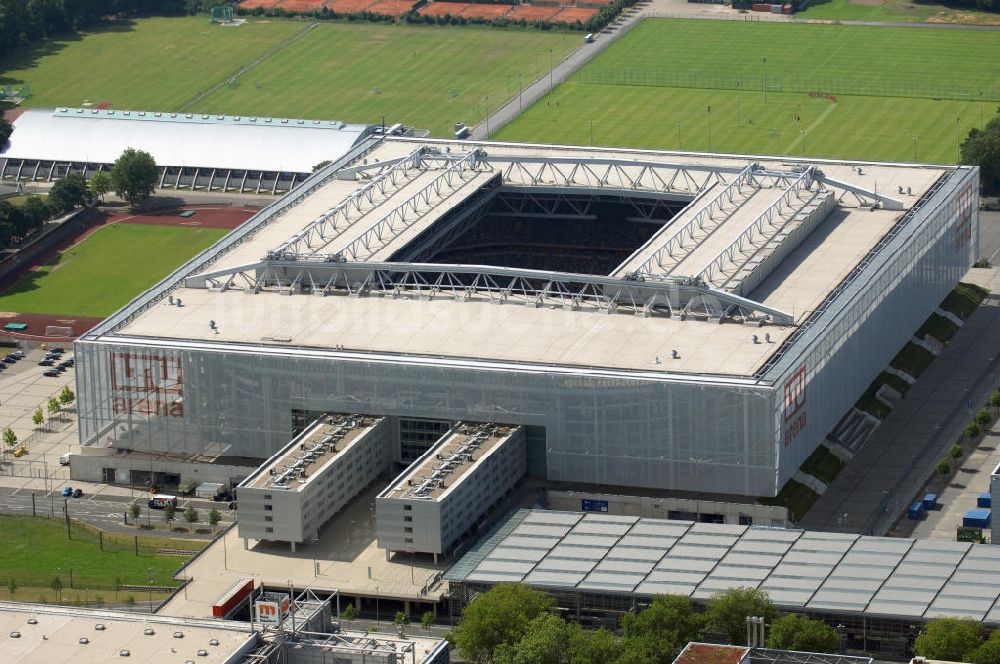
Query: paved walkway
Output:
(557,74)
(877,485)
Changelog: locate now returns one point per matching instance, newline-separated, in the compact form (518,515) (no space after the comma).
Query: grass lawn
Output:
(823,464)
(913,359)
(964,299)
(35,550)
(109,268)
(151,64)
(427,76)
(938,327)
(797,497)
(894,10)
(870,127)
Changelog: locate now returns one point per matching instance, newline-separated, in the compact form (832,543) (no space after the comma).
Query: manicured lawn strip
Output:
(964,299)
(913,359)
(823,464)
(797,497)
(36,550)
(938,327)
(107,269)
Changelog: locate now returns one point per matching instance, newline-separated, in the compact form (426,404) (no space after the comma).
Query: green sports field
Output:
(897,11)
(426,76)
(107,269)
(683,84)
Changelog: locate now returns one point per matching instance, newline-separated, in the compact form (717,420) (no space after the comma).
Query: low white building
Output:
(445,492)
(312,478)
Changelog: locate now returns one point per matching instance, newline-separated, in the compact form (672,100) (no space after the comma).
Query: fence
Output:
(669,78)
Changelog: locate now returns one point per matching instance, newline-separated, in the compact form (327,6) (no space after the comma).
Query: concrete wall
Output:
(90,468)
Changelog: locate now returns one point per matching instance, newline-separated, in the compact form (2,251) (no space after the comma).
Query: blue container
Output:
(916,509)
(984,500)
(930,501)
(978,518)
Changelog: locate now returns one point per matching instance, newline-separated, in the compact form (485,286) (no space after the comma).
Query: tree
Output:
(6,129)
(57,585)
(67,396)
(664,628)
(214,518)
(68,193)
(427,620)
(169,513)
(943,467)
(100,184)
(133,511)
(982,148)
(546,641)
(401,620)
(349,614)
(12,587)
(983,417)
(9,438)
(36,210)
(322,164)
(134,176)
(53,406)
(795,632)
(948,639)
(994,399)
(955,451)
(972,429)
(727,611)
(499,615)
(191,515)
(37,417)
(988,652)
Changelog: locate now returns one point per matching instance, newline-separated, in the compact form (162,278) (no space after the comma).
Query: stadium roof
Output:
(746,249)
(41,634)
(811,571)
(77,135)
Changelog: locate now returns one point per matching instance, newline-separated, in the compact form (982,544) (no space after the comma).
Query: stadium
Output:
(653,320)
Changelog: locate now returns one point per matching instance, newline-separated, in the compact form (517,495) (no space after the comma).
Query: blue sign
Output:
(589,505)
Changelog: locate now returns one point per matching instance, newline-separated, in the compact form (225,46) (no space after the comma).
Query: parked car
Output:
(57,350)
(67,491)
(19,354)
(46,363)
(52,373)
(78,493)
(10,359)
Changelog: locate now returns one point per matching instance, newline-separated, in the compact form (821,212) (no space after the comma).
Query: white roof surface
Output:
(179,139)
(815,571)
(56,633)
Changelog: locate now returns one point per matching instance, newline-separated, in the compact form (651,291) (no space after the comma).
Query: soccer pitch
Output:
(424,76)
(663,55)
(107,269)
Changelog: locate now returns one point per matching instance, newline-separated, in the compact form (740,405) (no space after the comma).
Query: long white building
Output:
(663,320)
(442,495)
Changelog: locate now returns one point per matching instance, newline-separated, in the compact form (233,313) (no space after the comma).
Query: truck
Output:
(161,500)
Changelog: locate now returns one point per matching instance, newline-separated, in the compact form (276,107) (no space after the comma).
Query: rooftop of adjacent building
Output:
(448,461)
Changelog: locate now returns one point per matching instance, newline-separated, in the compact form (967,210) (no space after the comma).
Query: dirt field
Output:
(529,13)
(573,14)
(207,216)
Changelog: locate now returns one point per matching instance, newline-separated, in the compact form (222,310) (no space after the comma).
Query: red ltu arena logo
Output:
(795,405)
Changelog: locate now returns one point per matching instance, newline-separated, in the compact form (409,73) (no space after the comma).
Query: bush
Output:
(955,451)
(983,417)
(972,429)
(944,466)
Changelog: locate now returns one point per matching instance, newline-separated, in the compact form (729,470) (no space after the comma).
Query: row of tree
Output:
(133,178)
(24,22)
(982,148)
(958,640)
(515,624)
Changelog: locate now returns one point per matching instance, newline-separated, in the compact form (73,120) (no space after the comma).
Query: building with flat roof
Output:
(312,478)
(201,151)
(659,320)
(443,494)
(877,590)
(712,653)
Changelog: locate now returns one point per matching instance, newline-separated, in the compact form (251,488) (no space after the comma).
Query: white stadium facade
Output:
(654,320)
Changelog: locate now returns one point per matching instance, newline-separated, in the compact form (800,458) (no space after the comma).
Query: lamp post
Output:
(765,80)
(550,70)
(915,139)
(591,132)
(679,146)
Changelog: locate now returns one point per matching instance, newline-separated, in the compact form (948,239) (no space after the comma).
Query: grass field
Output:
(894,10)
(36,550)
(427,76)
(106,270)
(731,120)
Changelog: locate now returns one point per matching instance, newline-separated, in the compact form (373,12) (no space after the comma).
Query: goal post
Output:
(222,14)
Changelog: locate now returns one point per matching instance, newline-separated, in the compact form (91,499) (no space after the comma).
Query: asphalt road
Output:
(108,512)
